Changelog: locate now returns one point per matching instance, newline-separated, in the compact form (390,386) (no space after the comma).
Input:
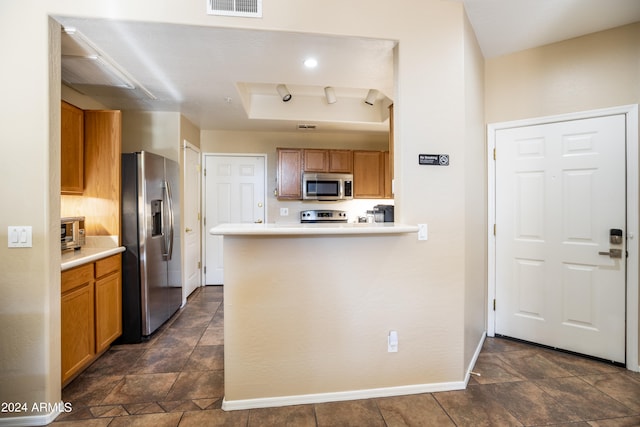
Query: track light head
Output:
(330,94)
(284,93)
(371,97)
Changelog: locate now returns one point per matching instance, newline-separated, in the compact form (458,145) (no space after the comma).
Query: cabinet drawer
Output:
(107,265)
(75,277)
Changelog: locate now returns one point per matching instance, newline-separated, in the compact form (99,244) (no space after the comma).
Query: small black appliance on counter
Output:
(388,211)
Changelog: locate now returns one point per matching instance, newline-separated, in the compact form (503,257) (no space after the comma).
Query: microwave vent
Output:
(243,8)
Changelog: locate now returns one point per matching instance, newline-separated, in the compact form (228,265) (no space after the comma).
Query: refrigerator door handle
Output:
(169,241)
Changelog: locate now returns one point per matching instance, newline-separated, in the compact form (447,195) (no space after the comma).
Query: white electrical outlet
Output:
(422,232)
(284,211)
(392,342)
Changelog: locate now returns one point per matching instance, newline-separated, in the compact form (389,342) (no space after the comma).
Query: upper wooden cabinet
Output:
(102,145)
(316,160)
(370,175)
(338,161)
(289,173)
(341,161)
(71,149)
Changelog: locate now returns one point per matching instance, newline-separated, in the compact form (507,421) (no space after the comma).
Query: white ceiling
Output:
(219,78)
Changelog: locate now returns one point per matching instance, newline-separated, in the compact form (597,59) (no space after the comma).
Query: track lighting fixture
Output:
(284,93)
(330,94)
(371,97)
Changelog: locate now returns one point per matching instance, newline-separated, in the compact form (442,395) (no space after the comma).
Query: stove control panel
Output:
(323,215)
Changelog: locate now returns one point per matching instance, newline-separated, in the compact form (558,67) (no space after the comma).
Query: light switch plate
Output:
(19,236)
(422,232)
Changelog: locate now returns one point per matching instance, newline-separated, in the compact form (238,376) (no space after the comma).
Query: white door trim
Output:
(633,220)
(203,161)
(186,145)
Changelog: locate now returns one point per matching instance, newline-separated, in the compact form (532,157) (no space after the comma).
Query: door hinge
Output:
(494,154)
(494,229)
(205,269)
(199,266)
(198,168)
(494,304)
(205,171)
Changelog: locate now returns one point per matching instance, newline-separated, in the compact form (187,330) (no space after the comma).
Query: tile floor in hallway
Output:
(176,379)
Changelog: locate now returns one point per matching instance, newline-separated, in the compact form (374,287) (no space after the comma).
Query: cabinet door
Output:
(341,161)
(316,160)
(71,150)
(289,173)
(368,174)
(388,191)
(103,142)
(77,330)
(108,310)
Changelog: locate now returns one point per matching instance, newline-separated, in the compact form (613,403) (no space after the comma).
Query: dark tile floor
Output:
(176,379)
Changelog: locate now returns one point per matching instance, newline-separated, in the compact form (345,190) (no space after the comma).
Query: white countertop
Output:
(74,258)
(312,229)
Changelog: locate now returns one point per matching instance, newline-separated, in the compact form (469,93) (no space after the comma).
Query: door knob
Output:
(613,253)
(188,230)
(258,221)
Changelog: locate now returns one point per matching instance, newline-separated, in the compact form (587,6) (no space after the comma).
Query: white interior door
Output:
(191,220)
(560,189)
(234,193)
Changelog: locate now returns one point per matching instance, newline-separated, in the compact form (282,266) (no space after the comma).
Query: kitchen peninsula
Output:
(308,308)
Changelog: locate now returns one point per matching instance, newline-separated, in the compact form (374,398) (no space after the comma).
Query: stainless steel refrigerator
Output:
(151,264)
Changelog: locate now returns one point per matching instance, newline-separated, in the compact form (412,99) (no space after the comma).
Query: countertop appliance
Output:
(327,186)
(387,211)
(323,215)
(151,265)
(72,233)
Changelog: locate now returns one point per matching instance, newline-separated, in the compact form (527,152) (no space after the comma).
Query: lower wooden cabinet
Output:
(91,311)
(77,329)
(108,302)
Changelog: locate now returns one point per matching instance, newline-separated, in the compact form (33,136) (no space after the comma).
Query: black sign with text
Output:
(433,159)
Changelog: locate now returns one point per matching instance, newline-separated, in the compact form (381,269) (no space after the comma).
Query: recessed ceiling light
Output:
(310,63)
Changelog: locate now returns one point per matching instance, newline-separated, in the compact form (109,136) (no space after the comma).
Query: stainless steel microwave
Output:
(327,186)
(72,233)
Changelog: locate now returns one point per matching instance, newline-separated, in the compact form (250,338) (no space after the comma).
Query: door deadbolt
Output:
(615,236)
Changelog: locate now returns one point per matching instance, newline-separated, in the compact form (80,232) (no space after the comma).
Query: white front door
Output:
(234,193)
(192,229)
(560,193)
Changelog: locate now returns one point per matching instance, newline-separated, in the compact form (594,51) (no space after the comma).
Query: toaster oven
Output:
(72,233)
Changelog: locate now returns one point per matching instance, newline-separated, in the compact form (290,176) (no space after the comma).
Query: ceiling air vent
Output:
(244,8)
(305,126)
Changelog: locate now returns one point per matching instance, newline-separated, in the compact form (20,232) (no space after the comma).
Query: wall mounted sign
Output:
(433,159)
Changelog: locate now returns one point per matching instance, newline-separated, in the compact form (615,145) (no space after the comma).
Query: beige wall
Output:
(586,73)
(431,106)
(157,132)
(475,294)
(595,71)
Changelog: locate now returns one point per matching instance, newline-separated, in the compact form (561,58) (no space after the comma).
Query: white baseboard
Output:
(474,359)
(269,402)
(30,420)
